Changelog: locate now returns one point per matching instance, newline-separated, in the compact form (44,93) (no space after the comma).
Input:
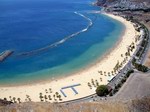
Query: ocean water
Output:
(52,38)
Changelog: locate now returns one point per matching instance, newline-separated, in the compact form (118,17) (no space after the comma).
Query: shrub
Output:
(129,73)
(123,80)
(102,90)
(140,67)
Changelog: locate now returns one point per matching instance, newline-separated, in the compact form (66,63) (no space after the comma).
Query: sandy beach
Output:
(87,79)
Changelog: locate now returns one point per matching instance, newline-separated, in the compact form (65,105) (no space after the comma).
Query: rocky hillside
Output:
(138,9)
(104,106)
(125,4)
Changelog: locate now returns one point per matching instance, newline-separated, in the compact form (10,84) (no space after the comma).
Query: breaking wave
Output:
(61,41)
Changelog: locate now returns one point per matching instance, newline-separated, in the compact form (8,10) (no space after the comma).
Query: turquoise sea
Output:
(52,38)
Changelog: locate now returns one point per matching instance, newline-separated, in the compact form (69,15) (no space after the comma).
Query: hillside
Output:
(138,9)
(106,106)
(125,4)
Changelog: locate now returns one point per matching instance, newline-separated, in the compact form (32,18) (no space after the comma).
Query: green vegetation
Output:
(102,90)
(122,81)
(129,73)
(140,67)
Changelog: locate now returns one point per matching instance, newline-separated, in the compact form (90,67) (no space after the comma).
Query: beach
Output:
(86,80)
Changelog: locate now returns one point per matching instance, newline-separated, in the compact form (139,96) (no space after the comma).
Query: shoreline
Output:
(92,64)
(95,62)
(82,76)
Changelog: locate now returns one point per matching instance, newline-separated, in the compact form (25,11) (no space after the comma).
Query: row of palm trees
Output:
(137,38)
(48,90)
(47,97)
(117,66)
(94,83)
(28,98)
(106,74)
(18,100)
(127,54)
(13,99)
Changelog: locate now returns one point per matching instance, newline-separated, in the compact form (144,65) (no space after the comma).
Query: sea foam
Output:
(60,41)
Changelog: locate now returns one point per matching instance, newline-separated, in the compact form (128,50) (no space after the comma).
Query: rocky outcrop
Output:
(125,5)
(139,9)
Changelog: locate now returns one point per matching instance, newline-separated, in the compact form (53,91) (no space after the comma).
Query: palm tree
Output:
(94,84)
(57,94)
(10,98)
(40,94)
(27,96)
(100,72)
(54,96)
(49,97)
(89,85)
(92,80)
(5,99)
(126,54)
(112,72)
(108,73)
(14,99)
(133,47)
(19,100)
(121,55)
(124,60)
(121,64)
(97,84)
(26,100)
(41,97)
(29,99)
(100,79)
(50,90)
(45,96)
(46,91)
